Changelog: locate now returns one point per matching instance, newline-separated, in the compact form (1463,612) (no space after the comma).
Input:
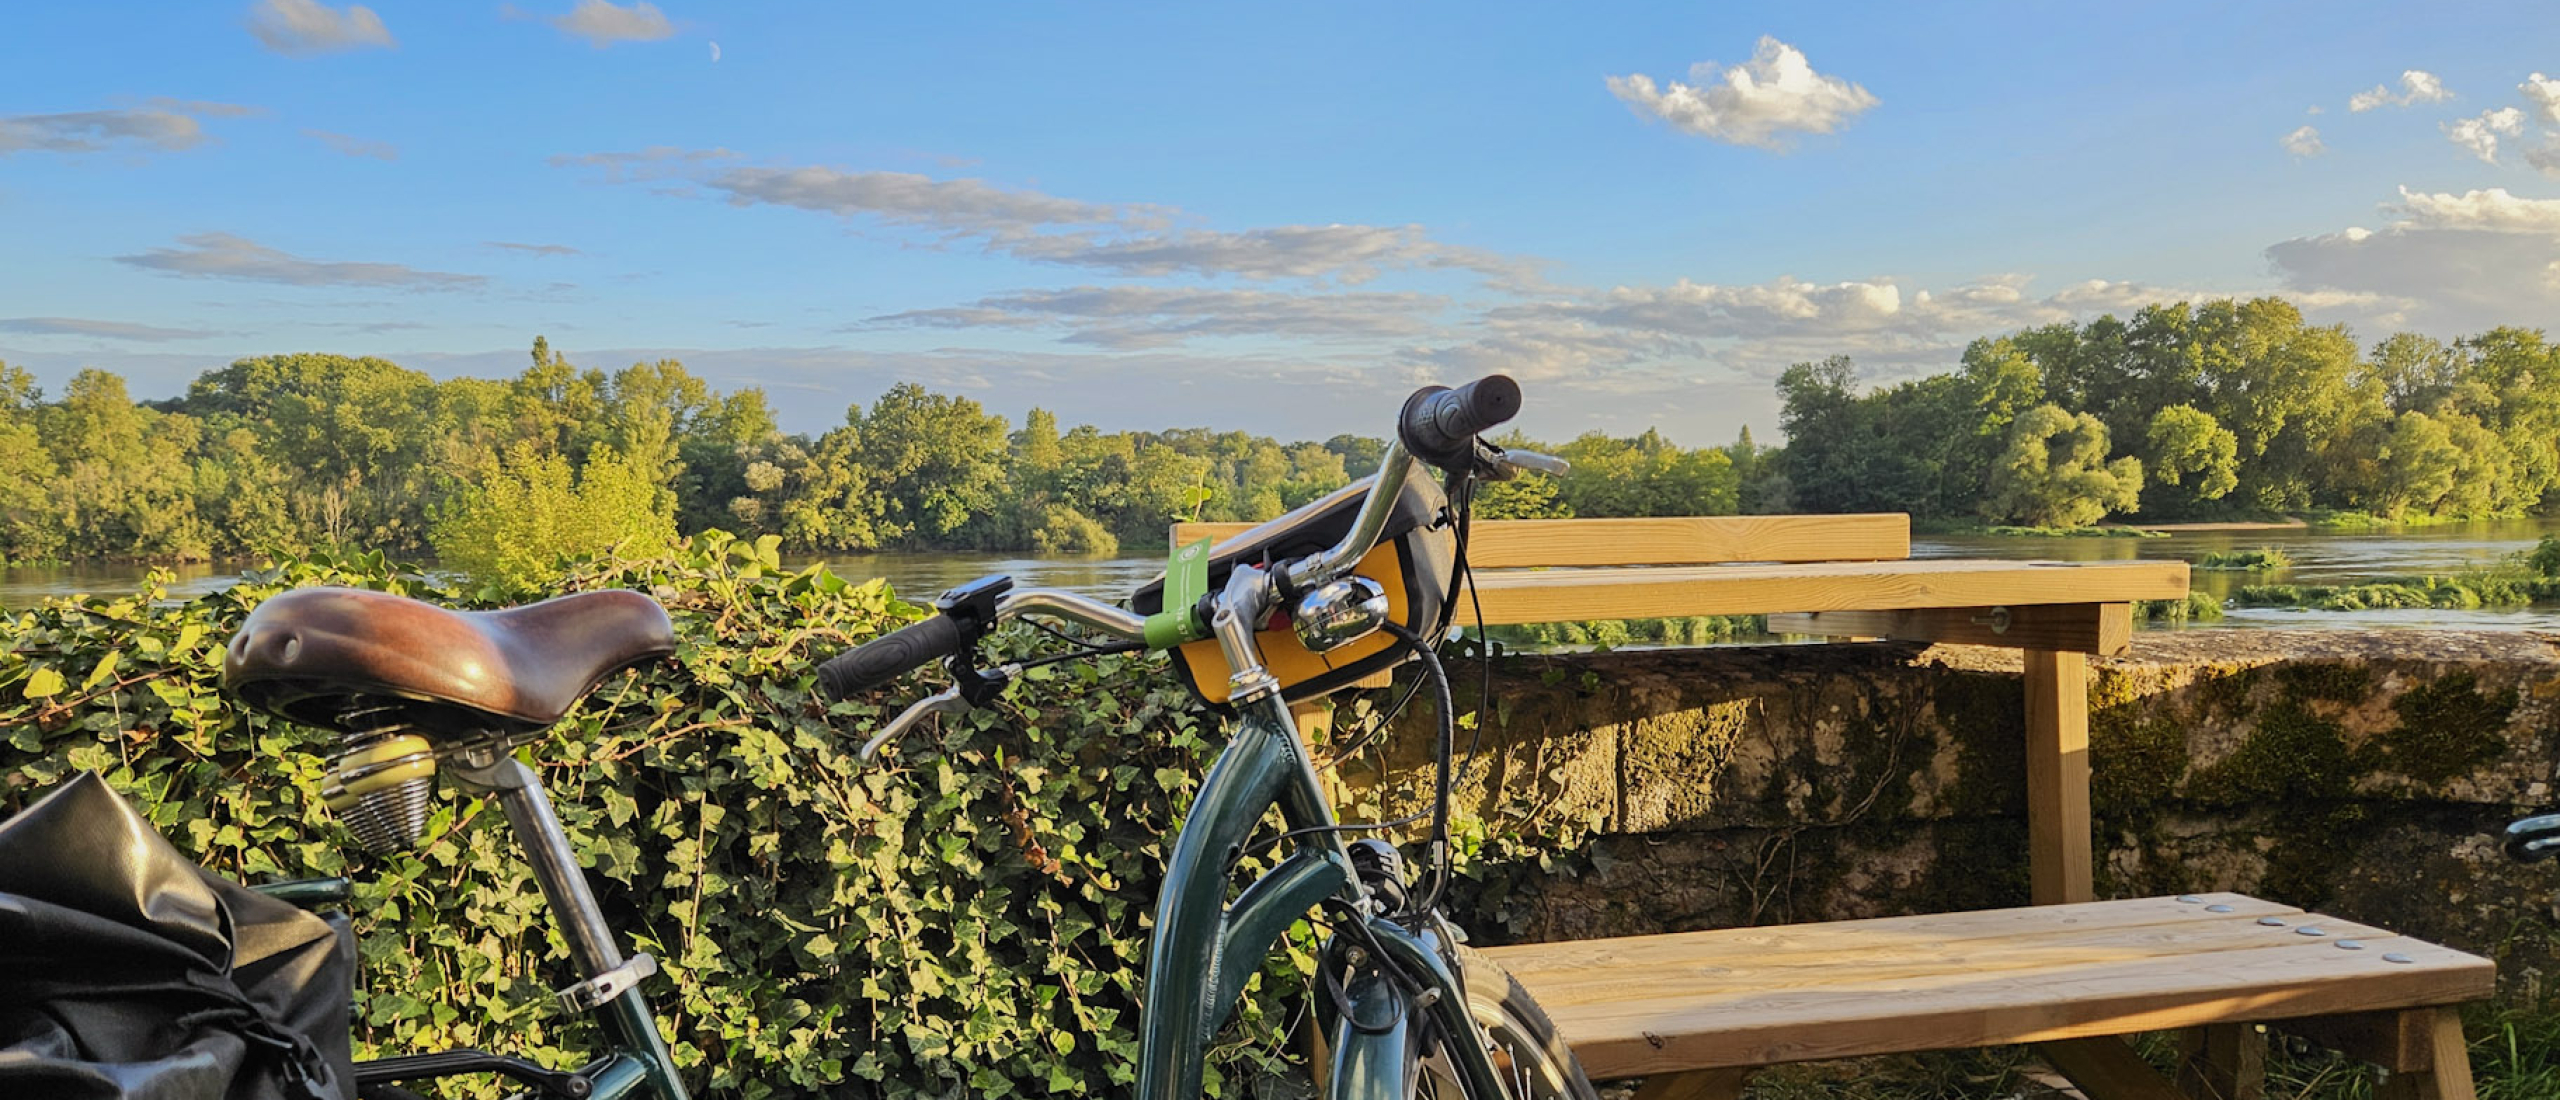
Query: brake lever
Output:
(1514,460)
(946,701)
(971,687)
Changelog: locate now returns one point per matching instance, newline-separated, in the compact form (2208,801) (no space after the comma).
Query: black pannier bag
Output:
(129,973)
(1412,562)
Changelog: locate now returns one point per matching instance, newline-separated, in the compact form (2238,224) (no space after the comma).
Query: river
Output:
(2319,557)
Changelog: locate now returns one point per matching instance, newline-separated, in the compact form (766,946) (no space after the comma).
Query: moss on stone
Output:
(2292,754)
(2136,765)
(2226,688)
(1978,711)
(2326,681)
(2447,728)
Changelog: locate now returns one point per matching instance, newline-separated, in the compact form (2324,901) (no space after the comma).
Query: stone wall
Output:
(2362,774)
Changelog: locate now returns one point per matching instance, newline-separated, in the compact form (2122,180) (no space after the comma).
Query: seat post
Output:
(555,867)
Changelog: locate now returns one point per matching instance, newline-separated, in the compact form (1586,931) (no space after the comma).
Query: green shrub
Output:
(2262,559)
(521,526)
(964,918)
(2544,558)
(2198,607)
(1067,533)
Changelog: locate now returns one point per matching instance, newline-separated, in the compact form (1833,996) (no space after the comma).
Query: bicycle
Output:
(1365,579)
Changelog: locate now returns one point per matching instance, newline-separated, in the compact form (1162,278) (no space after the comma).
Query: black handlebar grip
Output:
(1438,423)
(891,655)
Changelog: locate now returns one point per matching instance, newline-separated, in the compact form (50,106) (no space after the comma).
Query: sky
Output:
(1276,218)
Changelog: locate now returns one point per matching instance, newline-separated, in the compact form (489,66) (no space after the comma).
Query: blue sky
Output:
(1271,217)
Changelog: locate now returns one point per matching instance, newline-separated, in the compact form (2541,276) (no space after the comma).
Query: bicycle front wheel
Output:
(1530,1059)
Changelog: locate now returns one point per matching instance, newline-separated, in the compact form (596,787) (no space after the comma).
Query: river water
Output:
(2318,558)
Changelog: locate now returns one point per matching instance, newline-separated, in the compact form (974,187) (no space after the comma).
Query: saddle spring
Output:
(381,777)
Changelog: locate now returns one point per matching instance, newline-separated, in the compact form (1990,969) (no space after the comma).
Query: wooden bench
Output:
(1697,1011)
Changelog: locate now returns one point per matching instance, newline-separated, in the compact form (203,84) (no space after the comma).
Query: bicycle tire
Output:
(1533,1061)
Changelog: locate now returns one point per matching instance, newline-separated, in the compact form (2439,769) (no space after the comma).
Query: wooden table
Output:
(1847,576)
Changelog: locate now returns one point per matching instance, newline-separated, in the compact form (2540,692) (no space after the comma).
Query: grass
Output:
(2195,607)
(2526,578)
(2074,532)
(2367,521)
(2262,559)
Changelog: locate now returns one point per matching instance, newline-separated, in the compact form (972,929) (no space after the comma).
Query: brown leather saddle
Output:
(316,655)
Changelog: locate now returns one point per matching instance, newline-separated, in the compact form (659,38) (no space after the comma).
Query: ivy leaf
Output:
(43,683)
(106,667)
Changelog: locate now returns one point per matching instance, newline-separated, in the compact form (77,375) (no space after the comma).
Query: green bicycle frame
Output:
(1204,949)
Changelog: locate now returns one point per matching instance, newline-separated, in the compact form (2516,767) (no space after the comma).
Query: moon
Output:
(715,51)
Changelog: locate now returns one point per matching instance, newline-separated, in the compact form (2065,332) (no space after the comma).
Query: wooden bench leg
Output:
(2104,1068)
(2058,777)
(2449,1075)
(2224,1062)
(1696,1084)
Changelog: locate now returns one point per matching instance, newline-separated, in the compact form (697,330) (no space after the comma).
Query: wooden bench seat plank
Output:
(1667,540)
(1923,963)
(1633,1008)
(1512,596)
(1849,937)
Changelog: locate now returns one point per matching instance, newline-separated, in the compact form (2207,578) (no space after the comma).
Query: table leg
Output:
(2224,1062)
(2058,777)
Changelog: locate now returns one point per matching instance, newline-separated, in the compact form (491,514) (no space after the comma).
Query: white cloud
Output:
(300,28)
(536,249)
(2305,142)
(164,124)
(355,146)
(2544,94)
(2546,158)
(107,330)
(1756,103)
(603,23)
(2462,262)
(1149,316)
(1129,239)
(224,256)
(2493,209)
(2416,86)
(905,198)
(2480,135)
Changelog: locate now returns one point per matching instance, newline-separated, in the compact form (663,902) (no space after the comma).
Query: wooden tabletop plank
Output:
(1572,595)
(1759,996)
(1664,540)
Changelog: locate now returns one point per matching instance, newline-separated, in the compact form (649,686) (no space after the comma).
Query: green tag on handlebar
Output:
(1186,579)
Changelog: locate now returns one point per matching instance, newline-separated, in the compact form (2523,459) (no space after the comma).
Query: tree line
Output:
(287,453)
(2220,410)
(2225,409)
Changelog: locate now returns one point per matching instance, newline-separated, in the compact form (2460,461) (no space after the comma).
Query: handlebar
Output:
(892,655)
(1439,425)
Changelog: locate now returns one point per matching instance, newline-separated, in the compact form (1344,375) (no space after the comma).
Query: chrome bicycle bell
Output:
(1338,613)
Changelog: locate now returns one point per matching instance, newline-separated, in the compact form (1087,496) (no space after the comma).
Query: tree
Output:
(2055,472)
(935,462)
(2419,463)
(2193,453)
(30,527)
